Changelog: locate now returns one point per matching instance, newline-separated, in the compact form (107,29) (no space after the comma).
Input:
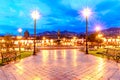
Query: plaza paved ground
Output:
(69,64)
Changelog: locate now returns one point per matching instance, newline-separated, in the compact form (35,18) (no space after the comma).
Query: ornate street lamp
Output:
(19,37)
(35,15)
(20,31)
(86,13)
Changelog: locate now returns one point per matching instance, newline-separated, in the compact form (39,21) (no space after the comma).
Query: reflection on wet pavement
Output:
(69,64)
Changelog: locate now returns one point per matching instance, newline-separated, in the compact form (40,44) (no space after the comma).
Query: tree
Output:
(26,34)
(8,42)
(94,39)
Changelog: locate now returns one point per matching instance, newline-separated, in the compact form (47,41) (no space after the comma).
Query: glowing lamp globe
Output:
(86,12)
(19,30)
(35,15)
(97,28)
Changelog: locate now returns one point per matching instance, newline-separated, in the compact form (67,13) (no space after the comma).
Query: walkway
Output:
(69,64)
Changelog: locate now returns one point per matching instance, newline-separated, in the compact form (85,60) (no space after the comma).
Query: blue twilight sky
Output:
(57,14)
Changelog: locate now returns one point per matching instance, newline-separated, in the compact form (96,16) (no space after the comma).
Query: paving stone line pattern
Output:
(64,64)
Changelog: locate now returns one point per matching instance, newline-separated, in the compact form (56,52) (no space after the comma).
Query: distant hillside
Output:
(54,34)
(111,32)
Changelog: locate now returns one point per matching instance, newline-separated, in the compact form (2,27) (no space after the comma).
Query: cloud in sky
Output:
(57,14)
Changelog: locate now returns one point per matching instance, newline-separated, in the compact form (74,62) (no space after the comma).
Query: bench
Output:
(10,56)
(112,53)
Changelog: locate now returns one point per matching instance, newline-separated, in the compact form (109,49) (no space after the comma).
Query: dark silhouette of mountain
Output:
(55,33)
(111,32)
(68,32)
(47,33)
(111,29)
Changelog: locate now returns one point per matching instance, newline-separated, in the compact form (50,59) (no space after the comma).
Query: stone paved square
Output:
(61,64)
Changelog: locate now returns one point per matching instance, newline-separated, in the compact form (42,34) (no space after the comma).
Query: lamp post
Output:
(86,13)
(20,31)
(19,37)
(35,15)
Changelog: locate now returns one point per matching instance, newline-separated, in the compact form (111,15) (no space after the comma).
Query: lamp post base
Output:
(86,51)
(34,53)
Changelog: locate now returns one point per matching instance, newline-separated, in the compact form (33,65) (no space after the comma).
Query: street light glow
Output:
(97,28)
(100,35)
(20,30)
(86,12)
(35,15)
